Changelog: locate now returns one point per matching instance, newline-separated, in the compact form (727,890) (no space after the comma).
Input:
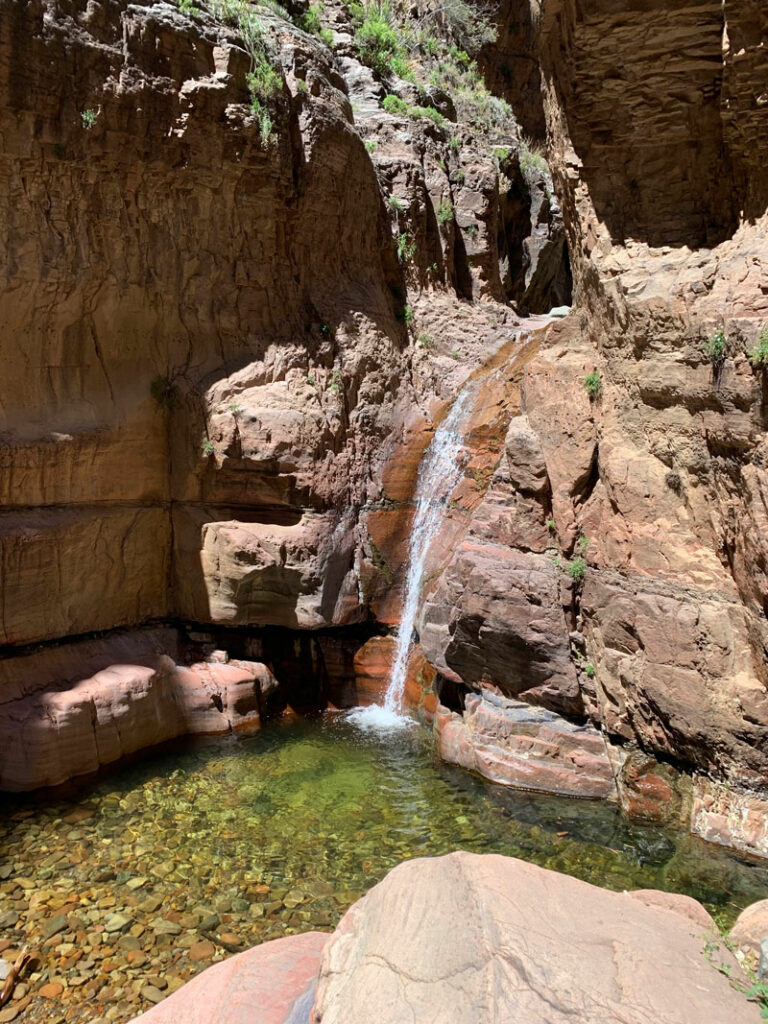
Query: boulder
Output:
(751,927)
(519,745)
(260,986)
(59,733)
(494,940)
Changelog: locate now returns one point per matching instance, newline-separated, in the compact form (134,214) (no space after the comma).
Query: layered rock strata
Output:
(65,726)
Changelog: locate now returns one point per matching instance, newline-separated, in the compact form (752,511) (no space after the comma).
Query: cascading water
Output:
(439,472)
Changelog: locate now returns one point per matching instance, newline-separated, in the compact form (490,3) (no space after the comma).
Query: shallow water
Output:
(281,832)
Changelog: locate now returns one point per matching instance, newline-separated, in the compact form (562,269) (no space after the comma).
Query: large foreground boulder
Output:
(468,939)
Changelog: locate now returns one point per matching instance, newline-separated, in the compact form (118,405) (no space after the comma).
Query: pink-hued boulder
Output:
(518,745)
(751,927)
(62,732)
(260,986)
(468,939)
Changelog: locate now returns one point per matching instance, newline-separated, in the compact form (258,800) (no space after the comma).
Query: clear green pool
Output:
(282,831)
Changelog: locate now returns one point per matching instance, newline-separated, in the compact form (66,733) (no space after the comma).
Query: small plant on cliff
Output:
(444,212)
(426,340)
(370,145)
(551,525)
(758,993)
(532,163)
(396,204)
(594,385)
(589,670)
(88,118)
(263,84)
(406,248)
(189,7)
(758,357)
(378,38)
(407,316)
(309,20)
(716,348)
(394,105)
(577,569)
(206,446)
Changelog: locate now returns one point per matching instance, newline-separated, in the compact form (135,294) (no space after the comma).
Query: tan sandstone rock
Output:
(488,939)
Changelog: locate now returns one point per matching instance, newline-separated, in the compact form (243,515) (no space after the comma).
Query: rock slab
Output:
(493,940)
(515,744)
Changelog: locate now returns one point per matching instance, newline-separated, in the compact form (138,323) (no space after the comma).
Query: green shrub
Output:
(309,20)
(188,7)
(455,144)
(407,316)
(758,357)
(532,162)
(406,248)
(716,347)
(460,177)
(551,525)
(88,118)
(394,105)
(206,446)
(370,145)
(589,670)
(593,385)
(434,115)
(426,340)
(396,204)
(377,38)
(444,212)
(577,569)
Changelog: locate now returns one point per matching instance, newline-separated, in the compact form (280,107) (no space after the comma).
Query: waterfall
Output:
(439,472)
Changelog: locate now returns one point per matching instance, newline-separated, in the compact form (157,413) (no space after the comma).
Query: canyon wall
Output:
(224,355)
(654,488)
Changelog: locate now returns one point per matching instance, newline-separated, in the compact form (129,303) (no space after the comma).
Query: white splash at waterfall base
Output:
(439,473)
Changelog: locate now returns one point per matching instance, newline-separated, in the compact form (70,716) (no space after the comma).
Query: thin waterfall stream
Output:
(439,472)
